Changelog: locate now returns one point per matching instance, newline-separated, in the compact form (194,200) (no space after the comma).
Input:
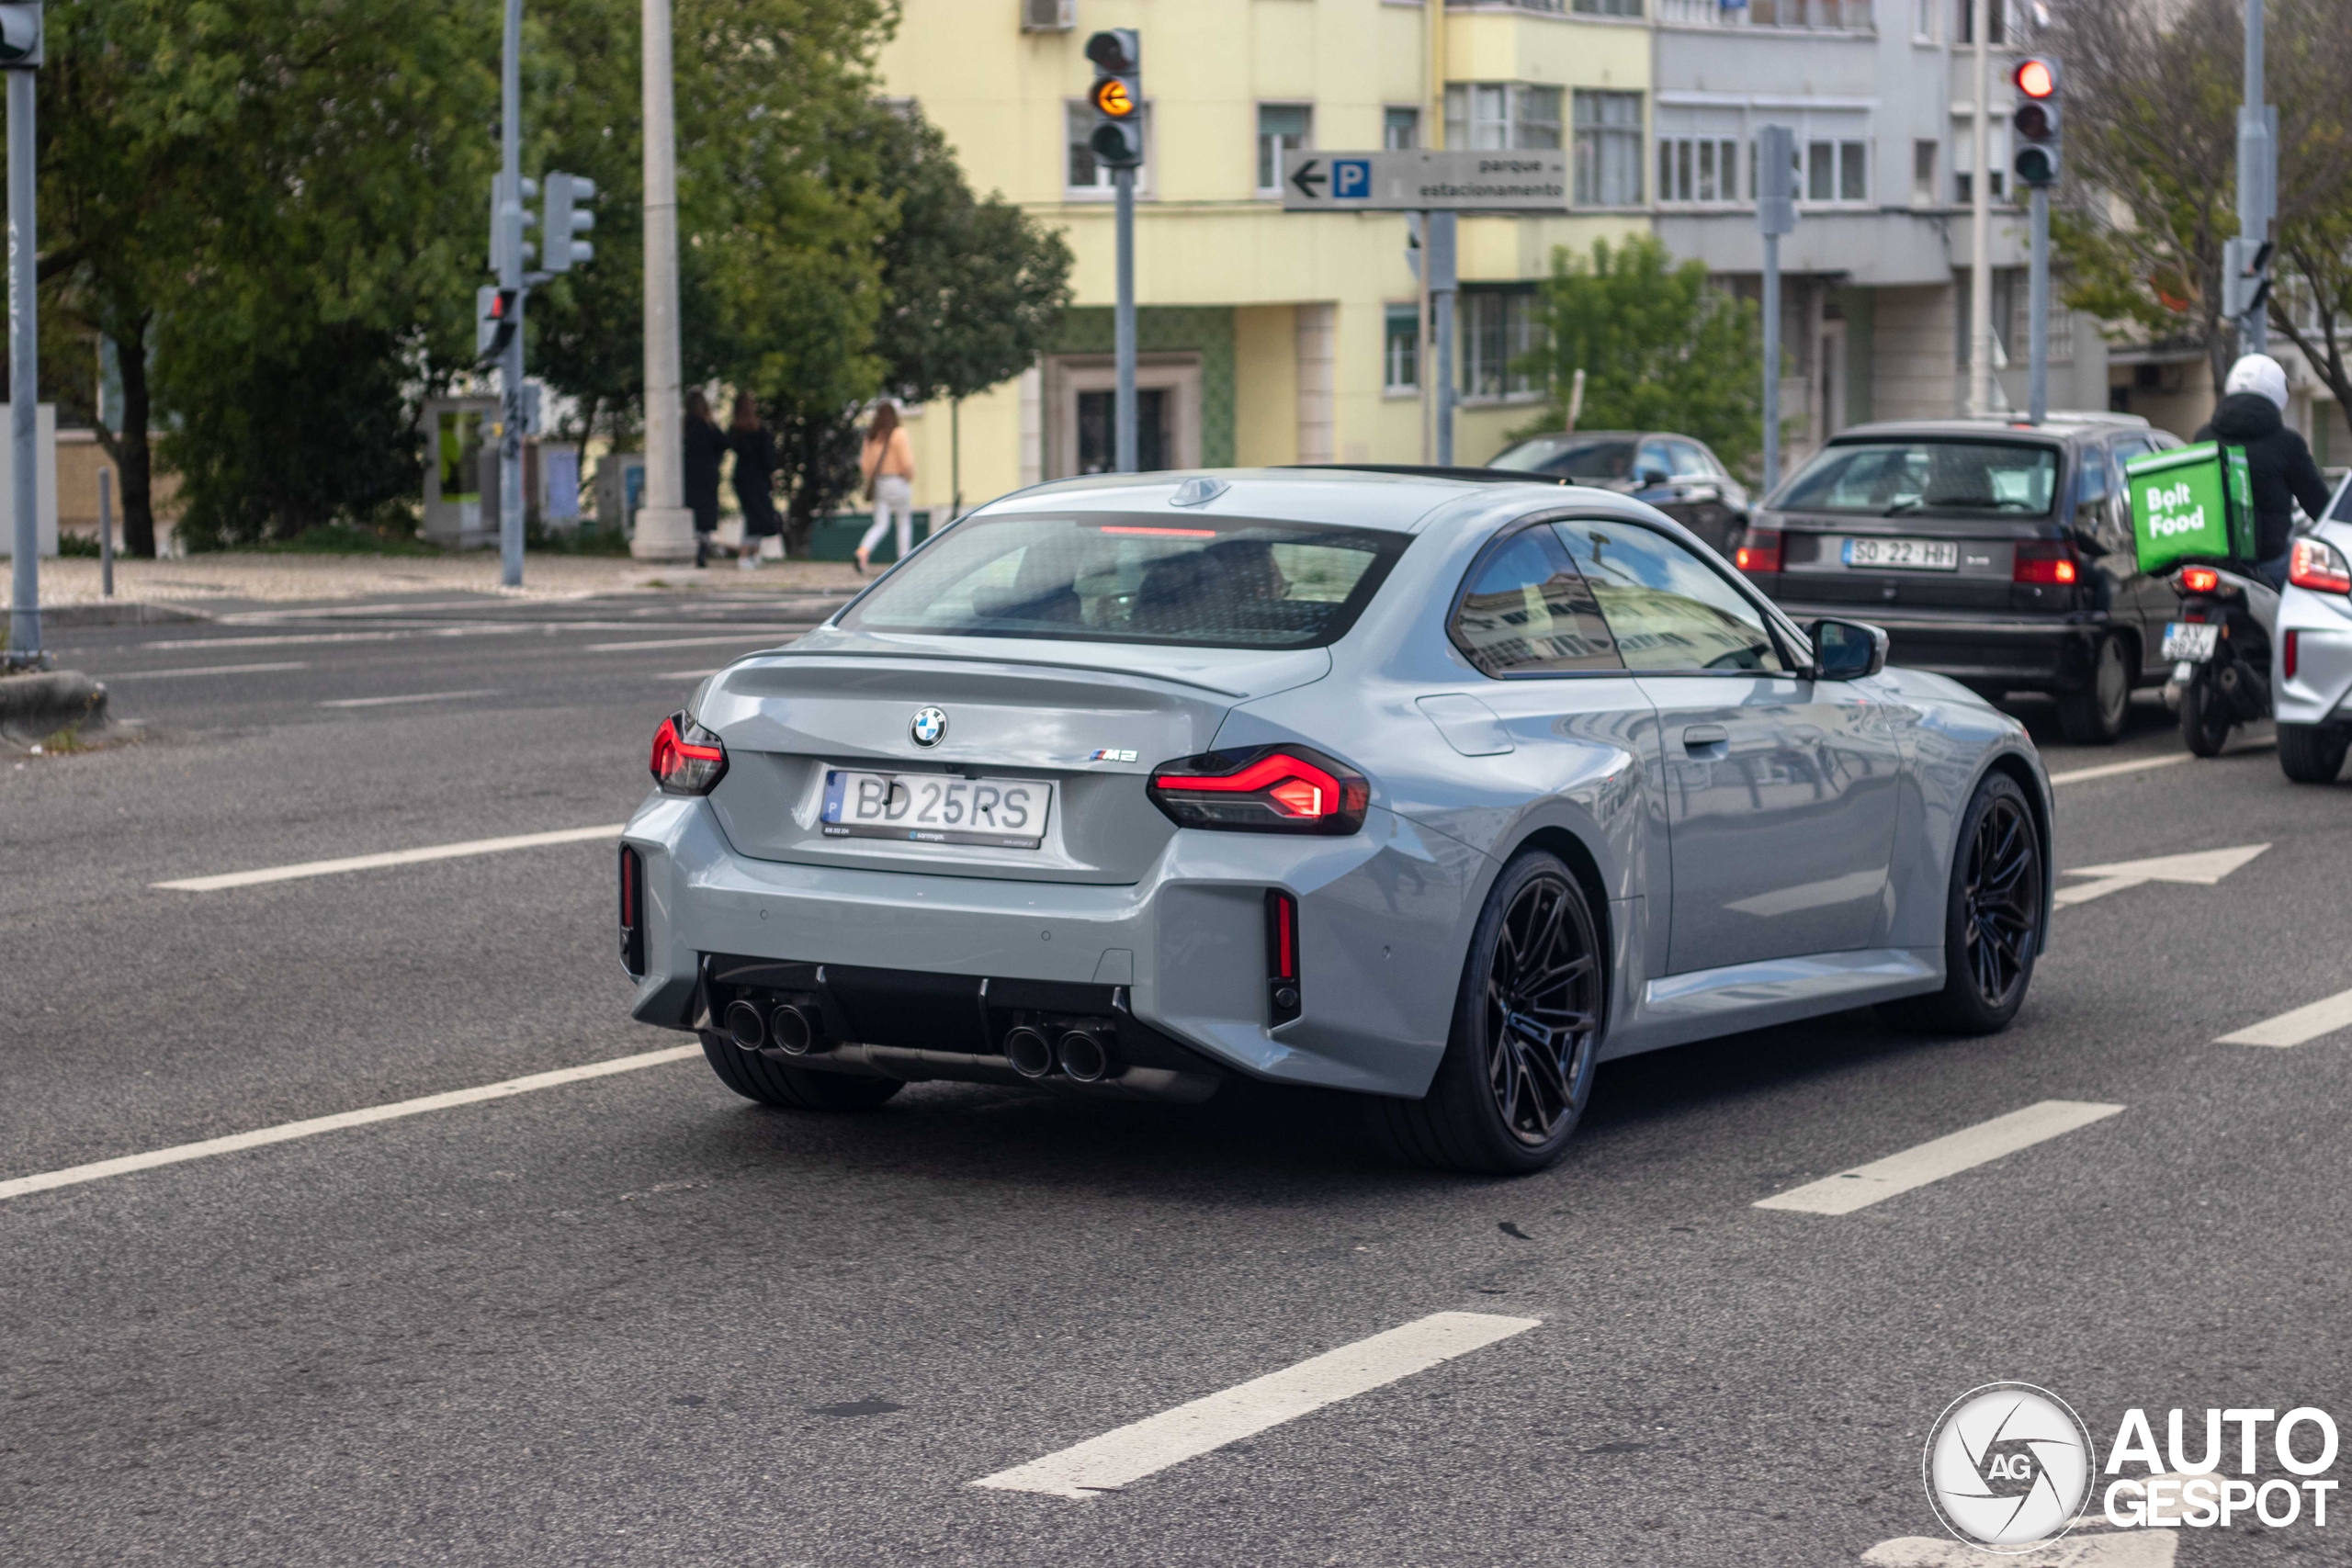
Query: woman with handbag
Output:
(889,465)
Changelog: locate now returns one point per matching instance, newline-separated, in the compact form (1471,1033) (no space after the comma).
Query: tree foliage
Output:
(1661,349)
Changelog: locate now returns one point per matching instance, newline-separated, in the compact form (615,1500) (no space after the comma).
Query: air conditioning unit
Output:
(1049,16)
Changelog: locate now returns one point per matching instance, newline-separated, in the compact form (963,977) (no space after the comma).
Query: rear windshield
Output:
(1198,582)
(1569,457)
(1896,478)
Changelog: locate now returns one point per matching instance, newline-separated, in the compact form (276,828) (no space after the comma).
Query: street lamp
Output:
(20,54)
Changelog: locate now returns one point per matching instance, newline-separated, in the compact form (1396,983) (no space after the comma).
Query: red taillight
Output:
(1274,789)
(1281,955)
(2199,580)
(2046,563)
(2317,566)
(2291,653)
(1761,552)
(632,912)
(687,758)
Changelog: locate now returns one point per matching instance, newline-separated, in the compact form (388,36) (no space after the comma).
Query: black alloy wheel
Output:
(1518,1066)
(1992,918)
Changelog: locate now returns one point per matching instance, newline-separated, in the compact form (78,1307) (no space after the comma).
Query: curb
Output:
(36,707)
(137,613)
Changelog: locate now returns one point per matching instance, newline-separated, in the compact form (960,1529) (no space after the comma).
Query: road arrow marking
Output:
(2203,867)
(1310,184)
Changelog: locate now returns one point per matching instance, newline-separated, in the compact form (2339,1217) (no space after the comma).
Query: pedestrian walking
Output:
(754,451)
(888,463)
(705,443)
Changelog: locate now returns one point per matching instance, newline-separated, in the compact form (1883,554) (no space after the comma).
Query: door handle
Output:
(1699,737)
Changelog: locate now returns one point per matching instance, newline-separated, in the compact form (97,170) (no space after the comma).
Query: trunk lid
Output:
(1814,567)
(1090,719)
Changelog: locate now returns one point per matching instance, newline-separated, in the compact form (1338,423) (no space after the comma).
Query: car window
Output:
(1932,475)
(1668,609)
(2122,452)
(1569,457)
(1527,612)
(1654,454)
(1690,463)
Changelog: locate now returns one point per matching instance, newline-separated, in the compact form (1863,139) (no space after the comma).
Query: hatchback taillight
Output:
(2046,563)
(687,758)
(1272,789)
(632,912)
(1761,551)
(2317,565)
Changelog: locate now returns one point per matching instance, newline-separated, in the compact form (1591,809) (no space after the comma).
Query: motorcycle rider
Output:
(2277,462)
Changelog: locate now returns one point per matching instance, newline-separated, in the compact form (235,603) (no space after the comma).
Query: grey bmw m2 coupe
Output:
(1432,788)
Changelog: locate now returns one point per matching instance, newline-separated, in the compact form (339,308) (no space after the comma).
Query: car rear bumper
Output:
(2321,689)
(1381,920)
(2037,653)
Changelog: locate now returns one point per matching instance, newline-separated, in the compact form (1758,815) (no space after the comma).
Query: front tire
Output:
(1993,913)
(2312,754)
(2205,717)
(2095,714)
(755,1076)
(1526,1035)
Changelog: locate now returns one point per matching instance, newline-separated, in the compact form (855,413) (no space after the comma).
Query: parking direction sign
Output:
(1418,180)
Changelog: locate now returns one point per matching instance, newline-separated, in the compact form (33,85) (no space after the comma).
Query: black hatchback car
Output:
(1998,554)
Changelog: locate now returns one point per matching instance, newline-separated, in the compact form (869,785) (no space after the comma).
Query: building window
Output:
(1964,191)
(1923,27)
(1852,15)
(1400,128)
(1401,349)
(1923,174)
(1498,329)
(1997,22)
(1498,116)
(1837,171)
(1609,149)
(1086,176)
(1281,128)
(1604,7)
(1704,168)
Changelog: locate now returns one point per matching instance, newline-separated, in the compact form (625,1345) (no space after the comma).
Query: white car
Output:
(2311,655)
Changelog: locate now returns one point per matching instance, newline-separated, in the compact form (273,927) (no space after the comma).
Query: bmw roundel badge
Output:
(929,727)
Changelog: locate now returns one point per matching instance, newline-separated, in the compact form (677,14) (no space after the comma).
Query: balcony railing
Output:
(1843,15)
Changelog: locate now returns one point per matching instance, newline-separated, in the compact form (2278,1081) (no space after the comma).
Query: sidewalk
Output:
(234,578)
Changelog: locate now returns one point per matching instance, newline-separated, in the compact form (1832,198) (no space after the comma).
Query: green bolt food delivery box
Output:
(2190,503)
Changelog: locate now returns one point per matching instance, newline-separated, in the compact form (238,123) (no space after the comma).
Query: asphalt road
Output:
(633,1319)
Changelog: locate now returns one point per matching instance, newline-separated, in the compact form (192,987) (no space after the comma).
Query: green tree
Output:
(1661,349)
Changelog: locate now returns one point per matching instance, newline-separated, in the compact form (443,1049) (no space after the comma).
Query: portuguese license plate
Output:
(933,809)
(1903,555)
(2189,640)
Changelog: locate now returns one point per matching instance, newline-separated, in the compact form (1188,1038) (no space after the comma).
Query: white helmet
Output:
(2259,373)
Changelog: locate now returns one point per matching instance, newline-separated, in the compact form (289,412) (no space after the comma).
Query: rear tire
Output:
(1526,1035)
(2205,718)
(2095,714)
(2312,754)
(1993,911)
(755,1076)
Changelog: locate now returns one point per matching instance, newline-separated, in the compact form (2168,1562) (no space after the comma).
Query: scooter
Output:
(2219,650)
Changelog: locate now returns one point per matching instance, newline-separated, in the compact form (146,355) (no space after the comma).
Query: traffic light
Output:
(1117,97)
(2035,125)
(495,316)
(19,36)
(501,233)
(566,218)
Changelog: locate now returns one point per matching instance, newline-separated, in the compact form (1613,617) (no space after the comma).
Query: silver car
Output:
(2311,654)
(1433,790)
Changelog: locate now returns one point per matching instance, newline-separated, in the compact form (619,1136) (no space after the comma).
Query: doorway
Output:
(1080,392)
(1098,435)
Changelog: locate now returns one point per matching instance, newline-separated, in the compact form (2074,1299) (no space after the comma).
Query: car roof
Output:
(1398,498)
(2061,428)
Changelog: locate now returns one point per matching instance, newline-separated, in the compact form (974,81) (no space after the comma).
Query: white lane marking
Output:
(411,697)
(1130,1453)
(1932,1161)
(2110,769)
(203,670)
(756,635)
(494,629)
(2079,1549)
(2202,867)
(390,857)
(285,1132)
(2325,1016)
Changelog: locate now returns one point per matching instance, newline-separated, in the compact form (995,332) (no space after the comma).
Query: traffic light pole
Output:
(1771,310)
(2038,302)
(24,380)
(2258,171)
(1439,262)
(510,276)
(1123,413)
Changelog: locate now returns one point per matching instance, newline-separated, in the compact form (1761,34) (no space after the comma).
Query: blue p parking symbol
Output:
(1350,179)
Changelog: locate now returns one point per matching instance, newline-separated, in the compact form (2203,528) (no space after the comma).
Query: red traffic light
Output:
(2035,78)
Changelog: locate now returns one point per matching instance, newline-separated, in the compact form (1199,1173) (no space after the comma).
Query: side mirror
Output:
(1846,651)
(1649,478)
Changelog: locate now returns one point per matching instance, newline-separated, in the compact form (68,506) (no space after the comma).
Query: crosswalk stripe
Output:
(2306,1023)
(1932,1161)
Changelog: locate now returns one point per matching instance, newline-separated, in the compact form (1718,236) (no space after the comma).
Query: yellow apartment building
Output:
(1267,337)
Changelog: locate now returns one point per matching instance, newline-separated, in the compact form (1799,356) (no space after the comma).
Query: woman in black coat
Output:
(754,451)
(703,444)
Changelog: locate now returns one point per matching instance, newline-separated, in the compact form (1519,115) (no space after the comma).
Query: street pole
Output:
(1980,249)
(2257,171)
(1123,413)
(665,529)
(1439,233)
(1776,214)
(105,533)
(509,277)
(1771,304)
(2038,302)
(1425,352)
(24,378)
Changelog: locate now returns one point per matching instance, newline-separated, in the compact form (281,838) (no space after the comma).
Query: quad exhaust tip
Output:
(1031,1054)
(745,1026)
(1083,1056)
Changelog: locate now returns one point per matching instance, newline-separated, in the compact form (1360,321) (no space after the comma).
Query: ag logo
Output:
(929,727)
(2009,1466)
